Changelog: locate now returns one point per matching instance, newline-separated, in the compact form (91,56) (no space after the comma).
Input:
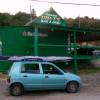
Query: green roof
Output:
(49,17)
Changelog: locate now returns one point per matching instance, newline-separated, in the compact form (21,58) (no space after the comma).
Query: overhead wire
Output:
(77,4)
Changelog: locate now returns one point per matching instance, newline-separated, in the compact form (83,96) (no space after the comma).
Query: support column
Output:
(75,54)
(36,41)
(69,44)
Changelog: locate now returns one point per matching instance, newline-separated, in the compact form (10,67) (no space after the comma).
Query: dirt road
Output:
(89,91)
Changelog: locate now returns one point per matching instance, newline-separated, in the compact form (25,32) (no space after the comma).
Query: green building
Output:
(37,37)
(47,35)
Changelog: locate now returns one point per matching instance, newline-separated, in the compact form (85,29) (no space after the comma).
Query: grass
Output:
(88,71)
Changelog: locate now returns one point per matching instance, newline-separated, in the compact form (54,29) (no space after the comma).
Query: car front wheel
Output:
(16,90)
(72,87)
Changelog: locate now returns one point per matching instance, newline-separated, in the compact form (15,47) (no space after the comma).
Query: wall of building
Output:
(19,41)
(14,43)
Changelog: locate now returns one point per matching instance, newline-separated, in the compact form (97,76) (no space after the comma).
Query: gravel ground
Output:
(89,91)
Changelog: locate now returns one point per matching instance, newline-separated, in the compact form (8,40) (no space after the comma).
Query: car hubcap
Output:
(73,87)
(16,90)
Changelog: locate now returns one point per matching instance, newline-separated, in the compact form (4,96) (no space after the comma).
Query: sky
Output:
(14,6)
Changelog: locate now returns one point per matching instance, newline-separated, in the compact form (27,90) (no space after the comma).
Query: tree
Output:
(83,22)
(5,19)
(20,18)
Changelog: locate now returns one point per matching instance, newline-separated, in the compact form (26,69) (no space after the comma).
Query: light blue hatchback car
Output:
(25,75)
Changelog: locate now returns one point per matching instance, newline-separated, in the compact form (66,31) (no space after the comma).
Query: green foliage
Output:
(83,22)
(19,19)
(5,19)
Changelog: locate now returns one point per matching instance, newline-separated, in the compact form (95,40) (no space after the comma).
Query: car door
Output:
(31,76)
(53,78)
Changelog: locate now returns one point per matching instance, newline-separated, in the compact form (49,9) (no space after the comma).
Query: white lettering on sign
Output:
(50,19)
(33,34)
(44,21)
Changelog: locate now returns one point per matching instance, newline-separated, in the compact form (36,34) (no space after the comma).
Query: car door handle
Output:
(25,76)
(46,76)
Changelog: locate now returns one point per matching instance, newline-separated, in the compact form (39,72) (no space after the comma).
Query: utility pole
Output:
(79,21)
(30,13)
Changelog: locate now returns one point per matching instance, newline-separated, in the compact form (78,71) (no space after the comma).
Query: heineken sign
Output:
(50,19)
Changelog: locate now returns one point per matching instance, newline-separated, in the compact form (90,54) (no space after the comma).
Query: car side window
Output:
(50,69)
(30,68)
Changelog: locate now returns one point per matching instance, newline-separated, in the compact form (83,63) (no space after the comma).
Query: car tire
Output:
(72,87)
(16,90)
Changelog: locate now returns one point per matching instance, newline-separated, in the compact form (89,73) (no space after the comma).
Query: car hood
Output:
(71,76)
